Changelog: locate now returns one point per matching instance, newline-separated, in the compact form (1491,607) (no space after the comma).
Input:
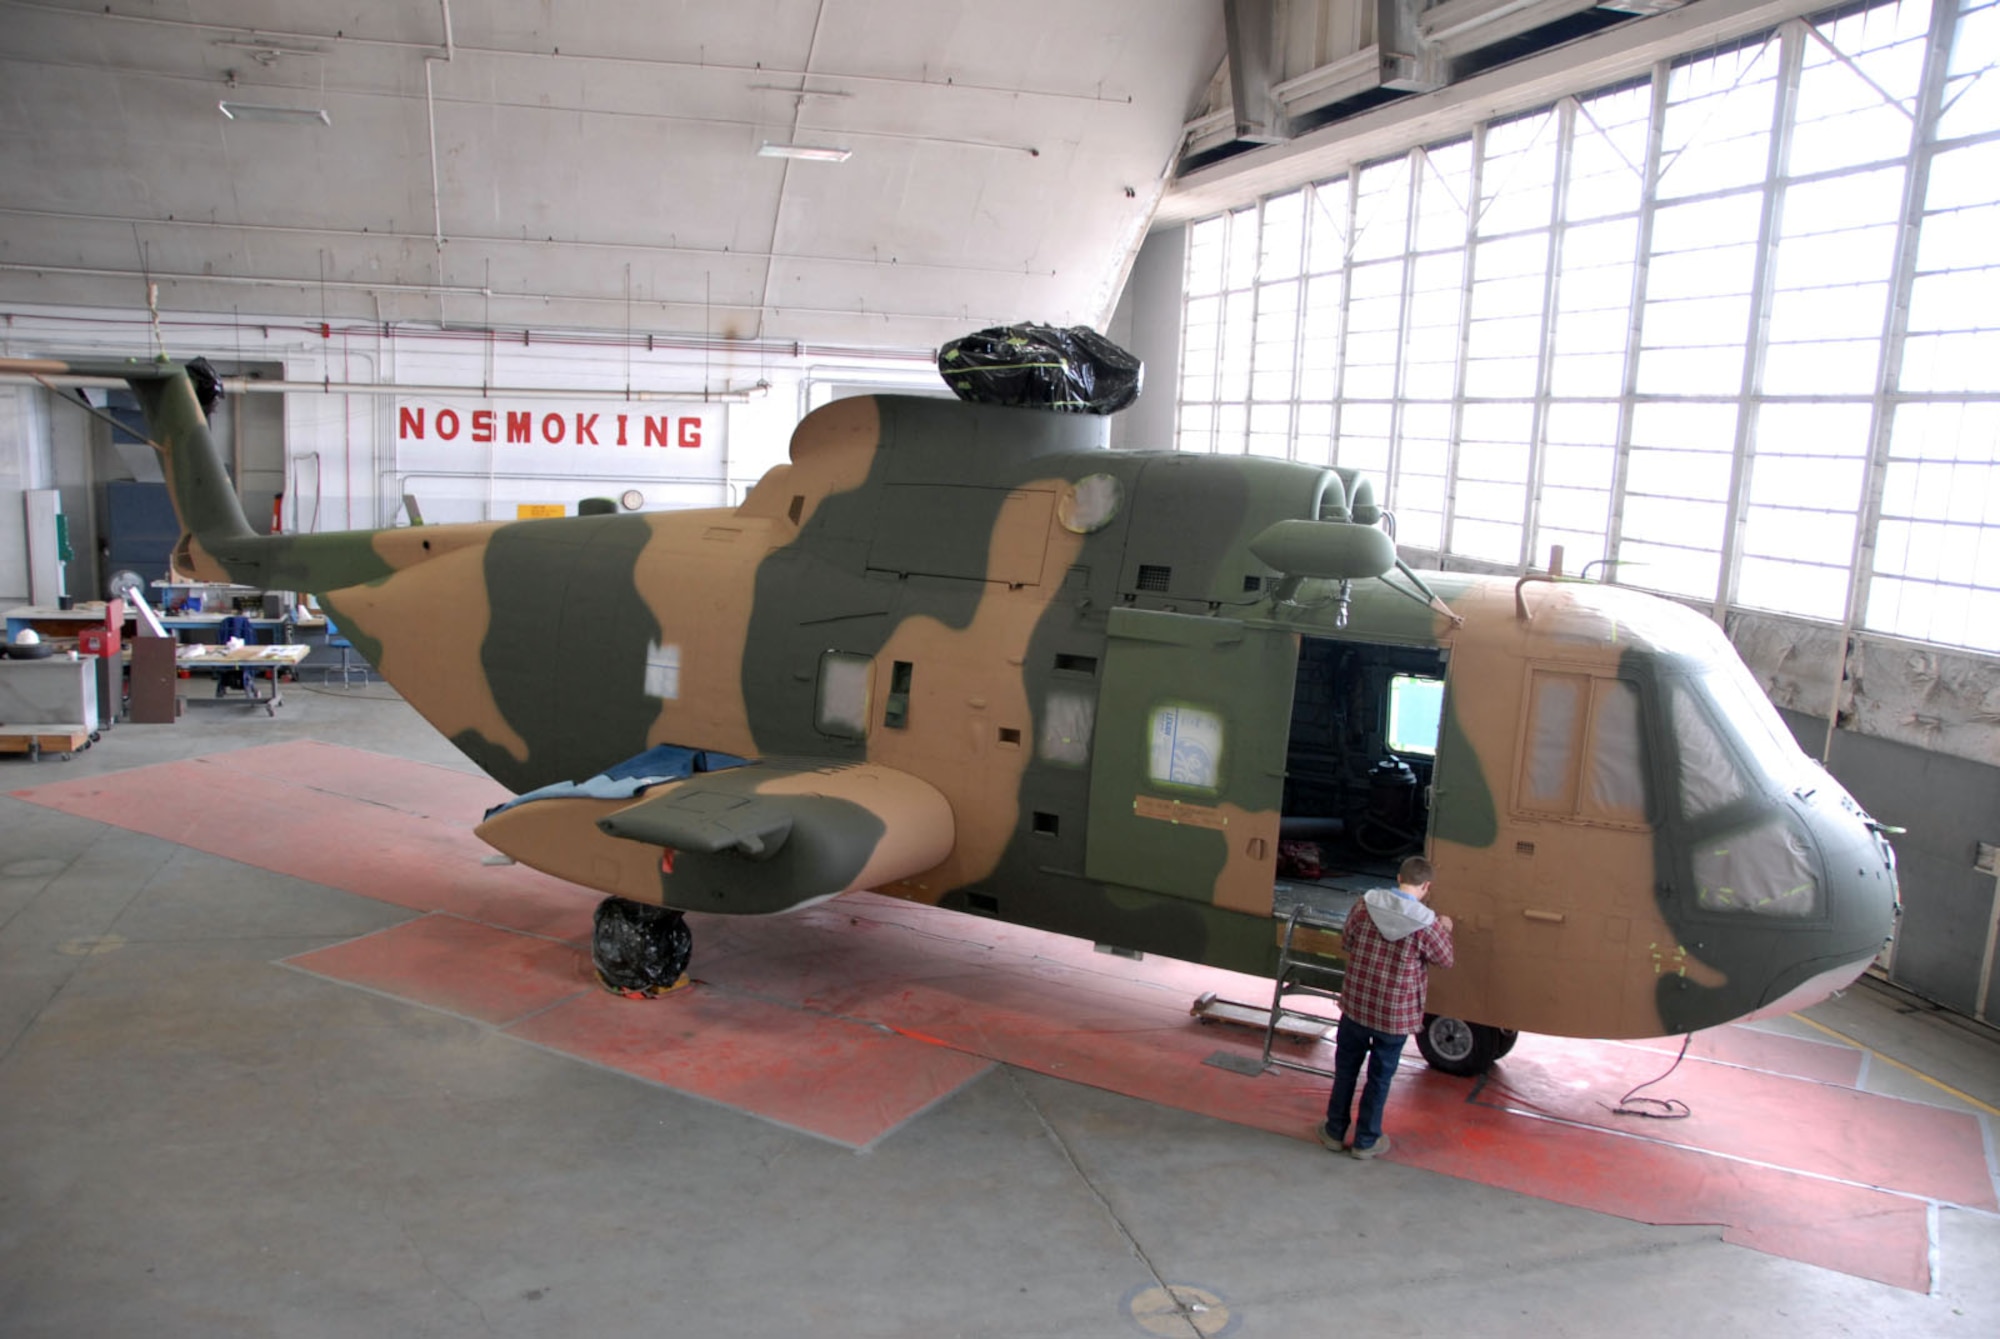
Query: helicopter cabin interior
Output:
(1363,741)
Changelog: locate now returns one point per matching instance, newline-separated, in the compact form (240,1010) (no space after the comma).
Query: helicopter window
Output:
(1068,717)
(1186,747)
(897,714)
(1747,712)
(1416,705)
(1709,776)
(1585,754)
(843,694)
(1555,735)
(1615,772)
(1767,871)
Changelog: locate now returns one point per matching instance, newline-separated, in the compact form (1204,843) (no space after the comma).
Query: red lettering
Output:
(656,430)
(410,423)
(691,432)
(621,430)
(482,425)
(447,424)
(553,428)
(518,426)
(586,429)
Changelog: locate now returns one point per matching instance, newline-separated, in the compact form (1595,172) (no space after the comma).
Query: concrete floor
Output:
(195,1140)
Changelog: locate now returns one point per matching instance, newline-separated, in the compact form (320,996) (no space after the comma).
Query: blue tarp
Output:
(661,763)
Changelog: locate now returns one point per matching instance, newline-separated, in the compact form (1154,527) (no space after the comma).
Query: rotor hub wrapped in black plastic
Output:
(1073,371)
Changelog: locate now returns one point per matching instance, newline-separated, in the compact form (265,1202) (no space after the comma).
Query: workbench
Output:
(205,658)
(52,622)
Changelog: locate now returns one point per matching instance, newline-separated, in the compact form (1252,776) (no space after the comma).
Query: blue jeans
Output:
(1384,1051)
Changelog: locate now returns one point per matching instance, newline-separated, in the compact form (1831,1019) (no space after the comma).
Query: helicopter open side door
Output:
(1188,779)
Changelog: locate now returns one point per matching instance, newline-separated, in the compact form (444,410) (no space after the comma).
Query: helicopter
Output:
(965,654)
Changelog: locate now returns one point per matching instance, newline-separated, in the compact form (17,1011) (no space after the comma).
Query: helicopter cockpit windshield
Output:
(1755,721)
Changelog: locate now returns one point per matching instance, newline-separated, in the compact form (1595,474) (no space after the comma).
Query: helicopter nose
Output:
(1864,898)
(1855,871)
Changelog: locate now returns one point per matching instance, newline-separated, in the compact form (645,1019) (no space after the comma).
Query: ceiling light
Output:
(816,153)
(251,111)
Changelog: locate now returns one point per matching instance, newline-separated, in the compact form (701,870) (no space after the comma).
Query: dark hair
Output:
(1415,871)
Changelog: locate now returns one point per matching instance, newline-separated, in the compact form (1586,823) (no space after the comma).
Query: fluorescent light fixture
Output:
(815,153)
(267,53)
(251,111)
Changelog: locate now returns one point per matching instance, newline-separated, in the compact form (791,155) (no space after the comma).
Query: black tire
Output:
(637,949)
(1458,1047)
(1508,1036)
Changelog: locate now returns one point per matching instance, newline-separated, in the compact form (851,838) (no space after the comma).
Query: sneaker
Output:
(1374,1150)
(1331,1141)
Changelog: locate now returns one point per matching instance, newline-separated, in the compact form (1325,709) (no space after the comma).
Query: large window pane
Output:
(1553,358)
(1937,553)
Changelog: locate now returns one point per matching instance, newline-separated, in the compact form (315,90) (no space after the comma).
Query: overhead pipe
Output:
(466,239)
(456,290)
(526,336)
(941,83)
(430,122)
(261,385)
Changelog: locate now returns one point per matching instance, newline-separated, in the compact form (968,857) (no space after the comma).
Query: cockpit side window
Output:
(1556,707)
(1710,779)
(1583,757)
(1615,771)
(1749,714)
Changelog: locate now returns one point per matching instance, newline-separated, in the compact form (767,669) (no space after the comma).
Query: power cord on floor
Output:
(1657,1108)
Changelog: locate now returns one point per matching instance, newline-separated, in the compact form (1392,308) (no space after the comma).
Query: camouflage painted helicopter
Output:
(968,656)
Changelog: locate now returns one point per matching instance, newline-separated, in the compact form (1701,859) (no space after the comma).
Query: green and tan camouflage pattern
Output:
(1048,596)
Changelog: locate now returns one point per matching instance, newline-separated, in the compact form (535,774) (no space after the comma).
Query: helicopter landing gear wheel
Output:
(1458,1047)
(639,951)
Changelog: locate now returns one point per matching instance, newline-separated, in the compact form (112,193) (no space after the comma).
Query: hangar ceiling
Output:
(551,163)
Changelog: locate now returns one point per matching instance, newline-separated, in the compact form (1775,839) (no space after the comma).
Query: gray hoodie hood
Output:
(1396,917)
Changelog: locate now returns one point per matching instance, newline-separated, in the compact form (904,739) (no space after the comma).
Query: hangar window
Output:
(1723,329)
(1583,754)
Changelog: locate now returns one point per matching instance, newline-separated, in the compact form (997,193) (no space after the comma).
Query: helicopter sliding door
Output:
(1190,756)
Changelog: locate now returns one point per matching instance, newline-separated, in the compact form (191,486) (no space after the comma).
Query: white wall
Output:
(342,466)
(1148,324)
(24,455)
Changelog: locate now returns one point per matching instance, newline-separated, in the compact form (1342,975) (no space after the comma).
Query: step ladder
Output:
(1297,975)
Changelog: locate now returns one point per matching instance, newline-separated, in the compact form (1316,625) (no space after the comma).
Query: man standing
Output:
(1392,941)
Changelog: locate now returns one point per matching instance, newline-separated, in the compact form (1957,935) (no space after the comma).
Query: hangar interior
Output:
(1693,298)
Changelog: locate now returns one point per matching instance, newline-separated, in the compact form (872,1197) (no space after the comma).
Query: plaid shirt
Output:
(1386,982)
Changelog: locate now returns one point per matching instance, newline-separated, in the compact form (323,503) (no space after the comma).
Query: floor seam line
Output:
(1567,1122)
(1069,1156)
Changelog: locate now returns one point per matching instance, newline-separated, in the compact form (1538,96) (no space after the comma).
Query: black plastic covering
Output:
(639,949)
(1073,371)
(207,385)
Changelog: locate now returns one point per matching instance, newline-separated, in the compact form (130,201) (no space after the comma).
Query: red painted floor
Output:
(849,1018)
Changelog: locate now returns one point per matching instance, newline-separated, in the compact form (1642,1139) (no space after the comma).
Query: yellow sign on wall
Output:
(527,511)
